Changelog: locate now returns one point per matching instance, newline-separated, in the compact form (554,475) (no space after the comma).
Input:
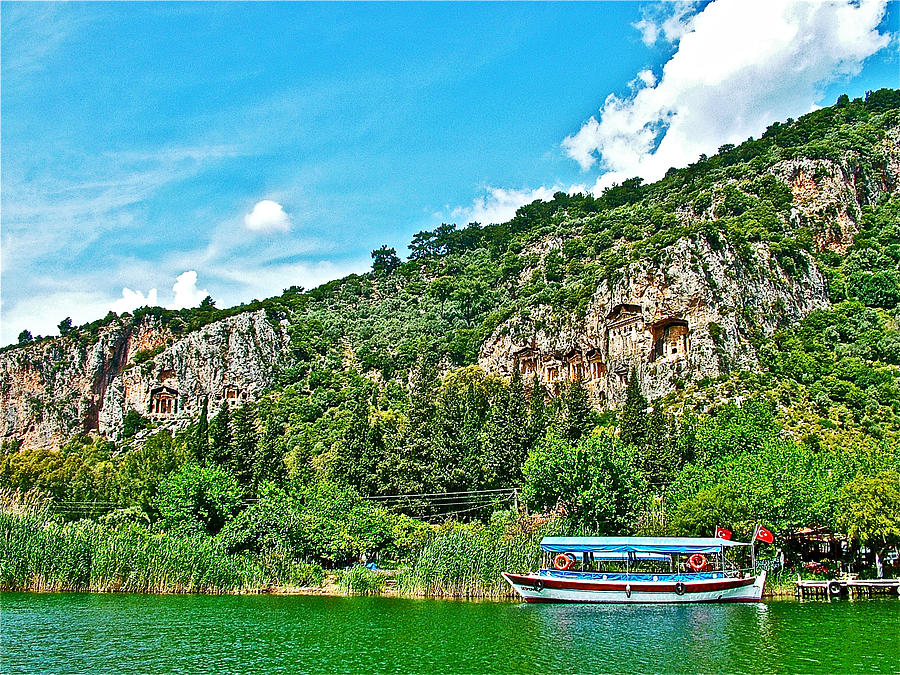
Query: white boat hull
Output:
(542,588)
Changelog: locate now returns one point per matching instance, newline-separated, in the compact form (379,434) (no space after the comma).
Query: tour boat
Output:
(640,570)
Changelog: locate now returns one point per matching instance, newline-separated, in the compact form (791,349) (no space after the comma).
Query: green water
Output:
(190,634)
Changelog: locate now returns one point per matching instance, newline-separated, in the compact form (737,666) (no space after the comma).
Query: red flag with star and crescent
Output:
(762,534)
(723,533)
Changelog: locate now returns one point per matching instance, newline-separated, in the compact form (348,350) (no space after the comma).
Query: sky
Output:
(156,153)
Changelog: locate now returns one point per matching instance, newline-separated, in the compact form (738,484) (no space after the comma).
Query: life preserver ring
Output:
(697,562)
(563,561)
(679,588)
(539,585)
(835,588)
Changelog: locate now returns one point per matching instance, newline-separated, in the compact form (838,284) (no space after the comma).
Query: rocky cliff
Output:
(688,318)
(53,389)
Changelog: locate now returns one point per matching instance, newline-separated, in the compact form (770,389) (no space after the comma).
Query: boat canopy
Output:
(666,545)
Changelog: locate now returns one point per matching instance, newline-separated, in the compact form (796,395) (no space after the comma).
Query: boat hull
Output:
(541,588)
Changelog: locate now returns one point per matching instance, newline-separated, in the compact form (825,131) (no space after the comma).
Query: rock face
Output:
(56,388)
(686,319)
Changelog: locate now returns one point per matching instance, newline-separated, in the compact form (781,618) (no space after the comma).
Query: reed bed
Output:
(40,552)
(466,561)
(359,580)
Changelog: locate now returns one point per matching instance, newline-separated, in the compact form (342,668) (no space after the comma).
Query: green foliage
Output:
(385,260)
(144,355)
(466,560)
(198,499)
(710,507)
(633,417)
(25,337)
(133,423)
(40,552)
(593,481)
(869,508)
(360,580)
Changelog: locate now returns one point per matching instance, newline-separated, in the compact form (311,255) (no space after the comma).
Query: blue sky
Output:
(157,152)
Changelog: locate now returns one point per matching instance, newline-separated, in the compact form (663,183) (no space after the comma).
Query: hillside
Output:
(681,281)
(743,306)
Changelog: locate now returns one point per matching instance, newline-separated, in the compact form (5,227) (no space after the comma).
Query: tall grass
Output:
(359,580)
(466,561)
(40,552)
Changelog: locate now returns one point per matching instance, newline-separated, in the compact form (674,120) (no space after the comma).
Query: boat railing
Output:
(732,572)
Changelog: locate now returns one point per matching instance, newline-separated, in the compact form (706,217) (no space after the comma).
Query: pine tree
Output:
(242,449)
(537,412)
(220,437)
(633,417)
(507,437)
(657,457)
(578,416)
(200,440)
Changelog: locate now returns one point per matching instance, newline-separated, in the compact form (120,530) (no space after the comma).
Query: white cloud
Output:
(499,205)
(738,67)
(668,21)
(131,300)
(186,292)
(267,216)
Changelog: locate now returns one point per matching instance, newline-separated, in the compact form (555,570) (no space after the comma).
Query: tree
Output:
(633,418)
(146,466)
(385,260)
(578,415)
(594,481)
(65,326)
(201,433)
(537,412)
(25,337)
(219,437)
(198,500)
(657,456)
(711,507)
(507,443)
(869,509)
(208,303)
(242,446)
(133,422)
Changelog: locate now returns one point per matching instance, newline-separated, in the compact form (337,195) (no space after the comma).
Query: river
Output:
(76,633)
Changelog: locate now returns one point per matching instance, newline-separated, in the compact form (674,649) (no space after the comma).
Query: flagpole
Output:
(753,550)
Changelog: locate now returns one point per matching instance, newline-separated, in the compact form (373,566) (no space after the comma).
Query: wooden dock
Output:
(845,586)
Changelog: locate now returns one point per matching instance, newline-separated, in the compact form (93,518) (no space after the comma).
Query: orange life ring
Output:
(563,561)
(697,562)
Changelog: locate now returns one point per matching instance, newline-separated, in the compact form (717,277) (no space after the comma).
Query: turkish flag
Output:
(764,535)
(723,533)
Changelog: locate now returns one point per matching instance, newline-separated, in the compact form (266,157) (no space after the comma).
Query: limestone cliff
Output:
(688,318)
(55,388)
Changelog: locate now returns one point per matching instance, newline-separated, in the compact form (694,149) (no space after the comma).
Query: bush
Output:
(198,500)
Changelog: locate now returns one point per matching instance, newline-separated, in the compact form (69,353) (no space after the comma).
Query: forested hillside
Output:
(756,379)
